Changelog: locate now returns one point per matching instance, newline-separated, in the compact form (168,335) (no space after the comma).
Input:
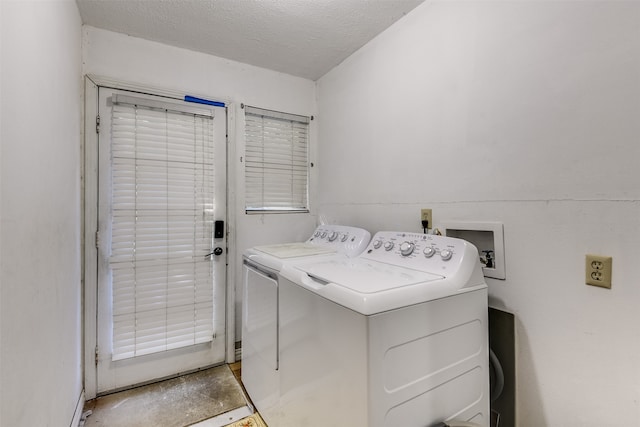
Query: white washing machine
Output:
(260,302)
(396,336)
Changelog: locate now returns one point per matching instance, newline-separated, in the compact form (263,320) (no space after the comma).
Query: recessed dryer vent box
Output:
(488,237)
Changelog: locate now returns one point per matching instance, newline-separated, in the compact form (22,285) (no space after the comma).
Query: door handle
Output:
(217,252)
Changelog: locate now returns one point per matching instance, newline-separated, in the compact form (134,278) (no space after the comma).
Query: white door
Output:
(161,246)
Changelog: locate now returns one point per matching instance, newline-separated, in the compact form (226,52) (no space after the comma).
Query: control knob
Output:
(324,234)
(377,244)
(344,237)
(429,251)
(388,246)
(333,236)
(446,254)
(406,248)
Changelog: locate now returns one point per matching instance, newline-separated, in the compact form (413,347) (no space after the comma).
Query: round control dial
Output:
(324,234)
(406,248)
(344,237)
(446,254)
(388,246)
(333,236)
(377,244)
(429,251)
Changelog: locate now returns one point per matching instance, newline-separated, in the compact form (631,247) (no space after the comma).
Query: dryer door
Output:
(260,336)
(260,316)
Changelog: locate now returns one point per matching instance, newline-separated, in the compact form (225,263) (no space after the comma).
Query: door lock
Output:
(218,230)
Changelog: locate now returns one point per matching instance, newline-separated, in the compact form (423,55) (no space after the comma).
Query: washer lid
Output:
(292,250)
(365,276)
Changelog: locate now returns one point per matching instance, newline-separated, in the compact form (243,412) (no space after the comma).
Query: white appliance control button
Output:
(333,236)
(324,234)
(406,248)
(344,237)
(316,234)
(388,246)
(429,251)
(377,244)
(446,254)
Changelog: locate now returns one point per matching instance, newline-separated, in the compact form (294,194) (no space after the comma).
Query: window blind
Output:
(276,161)
(161,228)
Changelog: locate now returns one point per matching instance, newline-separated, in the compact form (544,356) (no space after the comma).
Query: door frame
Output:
(90,219)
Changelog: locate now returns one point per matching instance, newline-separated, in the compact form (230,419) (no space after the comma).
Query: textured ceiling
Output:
(304,38)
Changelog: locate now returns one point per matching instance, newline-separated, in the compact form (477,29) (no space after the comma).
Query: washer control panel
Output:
(345,239)
(425,252)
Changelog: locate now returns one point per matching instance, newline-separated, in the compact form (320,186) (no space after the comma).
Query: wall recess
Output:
(488,237)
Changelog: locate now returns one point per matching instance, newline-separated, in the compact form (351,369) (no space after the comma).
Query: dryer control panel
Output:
(347,240)
(424,252)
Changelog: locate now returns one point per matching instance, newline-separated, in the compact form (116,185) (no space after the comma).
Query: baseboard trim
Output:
(77,414)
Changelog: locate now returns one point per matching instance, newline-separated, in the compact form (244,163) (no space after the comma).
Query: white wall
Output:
(526,113)
(40,111)
(140,61)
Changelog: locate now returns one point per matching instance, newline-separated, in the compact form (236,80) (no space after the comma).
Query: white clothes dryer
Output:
(395,337)
(260,302)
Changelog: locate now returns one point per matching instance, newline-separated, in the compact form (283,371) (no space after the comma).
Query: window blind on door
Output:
(161,228)
(276,161)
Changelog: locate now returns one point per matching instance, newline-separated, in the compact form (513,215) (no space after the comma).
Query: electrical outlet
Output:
(598,270)
(425,215)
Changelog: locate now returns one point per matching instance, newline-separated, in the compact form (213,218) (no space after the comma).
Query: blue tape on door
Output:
(188,98)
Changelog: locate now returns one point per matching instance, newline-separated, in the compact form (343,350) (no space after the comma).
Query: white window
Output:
(276,161)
